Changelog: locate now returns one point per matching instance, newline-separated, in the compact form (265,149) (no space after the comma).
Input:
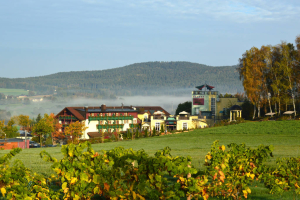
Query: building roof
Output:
(170,119)
(288,112)
(271,114)
(12,140)
(79,112)
(158,112)
(205,85)
(184,113)
(23,135)
(236,107)
(94,134)
(152,109)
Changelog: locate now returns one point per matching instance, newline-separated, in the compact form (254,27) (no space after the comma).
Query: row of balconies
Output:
(165,118)
(67,117)
(100,118)
(107,126)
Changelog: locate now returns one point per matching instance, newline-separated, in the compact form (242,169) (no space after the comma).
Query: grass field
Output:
(283,135)
(14,92)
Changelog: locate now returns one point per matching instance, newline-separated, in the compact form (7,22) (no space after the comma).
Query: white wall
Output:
(92,127)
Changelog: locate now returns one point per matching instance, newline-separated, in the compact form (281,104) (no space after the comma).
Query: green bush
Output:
(146,132)
(153,132)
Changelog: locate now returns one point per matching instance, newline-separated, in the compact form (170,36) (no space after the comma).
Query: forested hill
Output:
(149,78)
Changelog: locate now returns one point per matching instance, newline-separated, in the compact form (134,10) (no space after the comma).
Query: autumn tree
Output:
(251,68)
(58,134)
(288,55)
(43,127)
(24,121)
(75,130)
(10,129)
(2,125)
(271,71)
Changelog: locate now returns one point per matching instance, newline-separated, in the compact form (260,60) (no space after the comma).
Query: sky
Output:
(43,37)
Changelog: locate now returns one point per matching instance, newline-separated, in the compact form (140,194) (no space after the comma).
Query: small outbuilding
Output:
(11,143)
(235,112)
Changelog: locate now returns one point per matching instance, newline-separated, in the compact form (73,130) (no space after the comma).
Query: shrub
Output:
(153,132)
(146,132)
(137,133)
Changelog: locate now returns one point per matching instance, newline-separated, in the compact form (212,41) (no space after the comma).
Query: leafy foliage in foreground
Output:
(127,174)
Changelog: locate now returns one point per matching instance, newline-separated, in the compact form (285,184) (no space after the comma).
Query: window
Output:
(157,126)
(213,106)
(184,126)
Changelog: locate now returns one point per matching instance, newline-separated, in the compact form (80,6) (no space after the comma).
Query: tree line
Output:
(45,129)
(271,76)
(149,78)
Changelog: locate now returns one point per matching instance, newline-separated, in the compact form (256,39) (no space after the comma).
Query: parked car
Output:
(33,144)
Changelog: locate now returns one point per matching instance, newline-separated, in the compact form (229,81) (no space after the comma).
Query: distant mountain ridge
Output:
(149,78)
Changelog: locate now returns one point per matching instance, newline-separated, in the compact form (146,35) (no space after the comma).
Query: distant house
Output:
(100,120)
(22,135)
(153,117)
(22,97)
(10,97)
(11,143)
(37,99)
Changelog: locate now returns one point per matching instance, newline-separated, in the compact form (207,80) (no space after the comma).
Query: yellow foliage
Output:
(223,147)
(3,191)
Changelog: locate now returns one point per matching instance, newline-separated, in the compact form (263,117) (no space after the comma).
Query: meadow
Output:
(13,92)
(283,135)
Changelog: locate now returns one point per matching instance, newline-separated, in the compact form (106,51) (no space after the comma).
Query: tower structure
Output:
(204,101)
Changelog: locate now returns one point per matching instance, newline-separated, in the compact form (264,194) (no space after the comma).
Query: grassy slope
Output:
(14,92)
(284,135)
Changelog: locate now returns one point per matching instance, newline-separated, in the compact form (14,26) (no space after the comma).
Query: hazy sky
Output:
(47,36)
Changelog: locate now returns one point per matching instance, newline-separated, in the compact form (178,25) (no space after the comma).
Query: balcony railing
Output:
(100,118)
(67,117)
(107,126)
(205,93)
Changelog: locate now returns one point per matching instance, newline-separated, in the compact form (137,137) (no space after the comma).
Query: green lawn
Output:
(283,135)
(14,92)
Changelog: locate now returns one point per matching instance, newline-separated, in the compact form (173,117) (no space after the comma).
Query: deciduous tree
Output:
(24,121)
(251,67)
(75,130)
(10,130)
(58,134)
(43,127)
(2,125)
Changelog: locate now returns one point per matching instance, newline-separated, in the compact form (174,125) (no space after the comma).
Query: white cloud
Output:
(235,10)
